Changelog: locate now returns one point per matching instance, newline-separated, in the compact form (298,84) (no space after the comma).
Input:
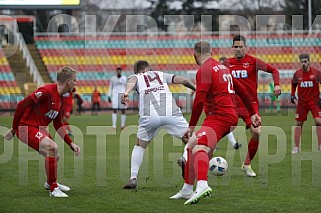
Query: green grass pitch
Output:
(285,182)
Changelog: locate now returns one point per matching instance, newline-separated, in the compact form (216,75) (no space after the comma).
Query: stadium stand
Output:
(96,58)
(10,93)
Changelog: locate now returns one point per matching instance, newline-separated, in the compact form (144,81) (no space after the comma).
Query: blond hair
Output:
(65,73)
(203,47)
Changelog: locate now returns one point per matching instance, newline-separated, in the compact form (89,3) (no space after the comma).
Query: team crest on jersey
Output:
(38,94)
(246,64)
(311,77)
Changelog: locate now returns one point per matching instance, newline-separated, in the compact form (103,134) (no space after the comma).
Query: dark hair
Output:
(223,58)
(303,56)
(119,68)
(140,66)
(239,38)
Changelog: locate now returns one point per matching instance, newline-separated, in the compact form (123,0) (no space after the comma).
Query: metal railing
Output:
(29,60)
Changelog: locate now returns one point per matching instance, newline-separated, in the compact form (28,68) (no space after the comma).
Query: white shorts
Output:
(150,125)
(116,101)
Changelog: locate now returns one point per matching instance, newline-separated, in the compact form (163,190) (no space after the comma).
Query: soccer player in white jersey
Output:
(116,90)
(157,109)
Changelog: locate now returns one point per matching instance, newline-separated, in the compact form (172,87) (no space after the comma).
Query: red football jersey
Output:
(246,70)
(216,80)
(48,105)
(308,84)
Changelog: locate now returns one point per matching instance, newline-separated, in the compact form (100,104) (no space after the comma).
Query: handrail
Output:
(29,60)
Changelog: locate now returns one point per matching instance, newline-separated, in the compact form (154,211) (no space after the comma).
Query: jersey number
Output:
(38,135)
(228,78)
(149,79)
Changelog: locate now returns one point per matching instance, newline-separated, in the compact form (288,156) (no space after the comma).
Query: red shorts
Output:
(214,128)
(303,109)
(244,114)
(67,111)
(32,136)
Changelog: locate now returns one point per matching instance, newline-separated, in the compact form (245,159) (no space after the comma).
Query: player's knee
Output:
(50,148)
(256,132)
(53,150)
(184,139)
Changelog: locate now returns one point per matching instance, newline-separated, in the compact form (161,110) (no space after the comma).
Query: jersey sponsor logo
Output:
(239,73)
(306,84)
(246,64)
(38,94)
(52,114)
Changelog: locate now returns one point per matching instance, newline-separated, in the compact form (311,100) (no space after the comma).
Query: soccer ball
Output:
(218,166)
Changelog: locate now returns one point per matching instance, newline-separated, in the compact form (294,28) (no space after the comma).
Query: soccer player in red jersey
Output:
(32,117)
(307,79)
(230,135)
(245,69)
(214,95)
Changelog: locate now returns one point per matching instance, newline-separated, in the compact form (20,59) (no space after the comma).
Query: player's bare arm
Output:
(59,127)
(277,90)
(131,83)
(181,80)
(74,147)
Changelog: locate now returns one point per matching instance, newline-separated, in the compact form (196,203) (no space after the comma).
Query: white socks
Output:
(136,161)
(202,184)
(114,119)
(187,188)
(231,138)
(123,120)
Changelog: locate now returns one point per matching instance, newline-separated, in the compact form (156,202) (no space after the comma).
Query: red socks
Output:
(252,149)
(297,135)
(189,173)
(51,171)
(201,162)
(196,166)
